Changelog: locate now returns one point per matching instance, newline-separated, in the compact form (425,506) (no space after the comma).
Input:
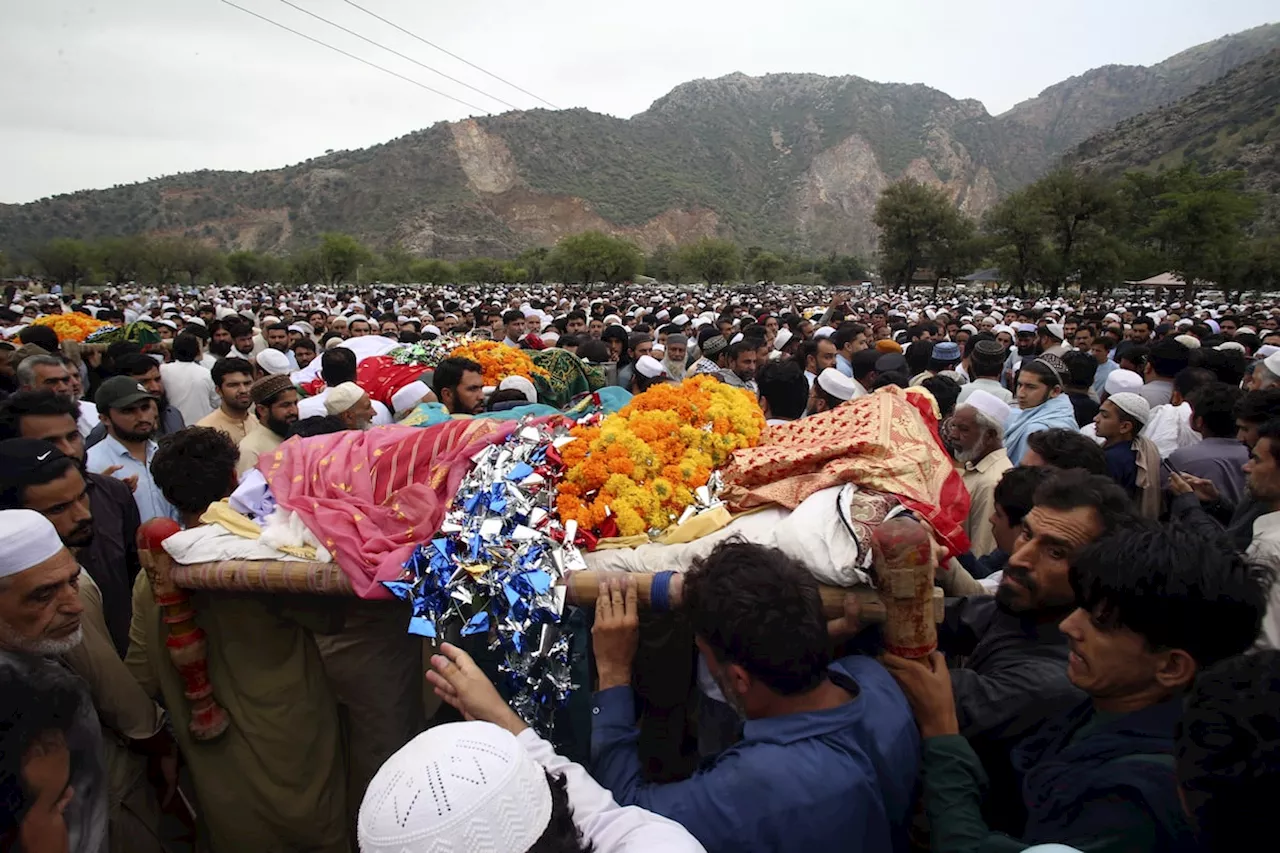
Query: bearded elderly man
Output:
(977,433)
(350,404)
(40,618)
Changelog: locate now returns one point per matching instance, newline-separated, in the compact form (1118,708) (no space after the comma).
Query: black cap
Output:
(22,460)
(120,392)
(891,361)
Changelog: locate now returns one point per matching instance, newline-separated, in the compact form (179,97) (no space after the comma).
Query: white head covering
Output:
(989,404)
(457,787)
(519,383)
(1122,380)
(1188,341)
(783,338)
(273,361)
(836,384)
(1131,404)
(1272,363)
(824,332)
(650,368)
(27,539)
(341,398)
(409,396)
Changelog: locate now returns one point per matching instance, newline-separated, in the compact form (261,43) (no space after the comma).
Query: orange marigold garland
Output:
(498,360)
(641,465)
(71,327)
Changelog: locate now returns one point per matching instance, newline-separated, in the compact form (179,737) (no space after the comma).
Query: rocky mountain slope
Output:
(1231,123)
(785,160)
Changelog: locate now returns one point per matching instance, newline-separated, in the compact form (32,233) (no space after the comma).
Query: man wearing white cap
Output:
(521,796)
(977,433)
(350,404)
(40,615)
(829,390)
(1132,461)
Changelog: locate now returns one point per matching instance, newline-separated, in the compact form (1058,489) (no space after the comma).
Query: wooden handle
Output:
(904,567)
(185,640)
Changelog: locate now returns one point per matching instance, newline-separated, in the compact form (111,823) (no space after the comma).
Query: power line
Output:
(356,58)
(397,53)
(448,53)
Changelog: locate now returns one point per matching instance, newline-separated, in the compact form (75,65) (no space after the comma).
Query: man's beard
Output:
(44,646)
(220,348)
(1027,349)
(280,428)
(730,698)
(965,456)
(129,435)
(81,536)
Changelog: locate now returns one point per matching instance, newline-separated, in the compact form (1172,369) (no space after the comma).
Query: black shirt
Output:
(112,558)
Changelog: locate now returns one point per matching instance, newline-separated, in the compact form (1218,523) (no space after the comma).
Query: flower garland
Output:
(498,360)
(71,327)
(639,469)
(430,353)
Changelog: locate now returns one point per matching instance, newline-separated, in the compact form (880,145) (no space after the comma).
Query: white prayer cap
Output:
(1272,363)
(273,361)
(736,338)
(519,383)
(341,398)
(657,351)
(650,368)
(1132,405)
(824,332)
(1266,350)
(1188,341)
(27,539)
(1122,380)
(422,800)
(430,329)
(989,404)
(836,384)
(664,314)
(550,338)
(408,396)
(680,319)
(297,327)
(782,338)
(1231,346)
(613,320)
(1056,330)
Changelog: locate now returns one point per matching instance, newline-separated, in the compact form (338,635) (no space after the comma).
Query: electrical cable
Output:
(449,53)
(356,58)
(398,53)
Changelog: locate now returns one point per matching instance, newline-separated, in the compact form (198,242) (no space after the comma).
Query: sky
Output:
(98,93)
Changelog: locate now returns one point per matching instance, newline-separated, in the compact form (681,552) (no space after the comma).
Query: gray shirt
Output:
(1157,392)
(1220,460)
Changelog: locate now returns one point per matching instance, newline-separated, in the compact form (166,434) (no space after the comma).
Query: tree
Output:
(194,258)
(432,271)
(711,260)
(480,271)
(162,258)
(842,269)
(396,266)
(534,262)
(593,256)
(341,256)
(63,260)
(247,268)
(1074,207)
(1200,223)
(916,224)
(121,258)
(661,263)
(1019,239)
(766,267)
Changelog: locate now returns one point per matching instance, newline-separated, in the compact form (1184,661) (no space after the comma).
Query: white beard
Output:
(46,647)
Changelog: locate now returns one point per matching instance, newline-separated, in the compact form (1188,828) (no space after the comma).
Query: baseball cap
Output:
(120,392)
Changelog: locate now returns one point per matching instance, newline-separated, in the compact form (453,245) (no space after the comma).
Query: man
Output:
(1062,449)
(1011,500)
(575,323)
(360,326)
(275,405)
(1083,339)
(863,366)
(595,328)
(708,362)
(1100,349)
(1167,359)
(850,338)
(40,616)
(819,354)
(830,390)
(1025,349)
(1014,656)
(1041,405)
(1132,461)
(1170,425)
(1219,456)
(985,363)
(834,730)
(277,335)
(144,370)
(337,366)
(943,356)
(189,384)
(740,369)
(977,434)
(513,328)
(232,378)
(638,345)
(242,339)
(389,327)
(129,413)
(274,779)
(111,557)
(458,384)
(1051,338)
(36,476)
(351,405)
(1152,608)
(1081,369)
(40,373)
(304,352)
(782,392)
(675,356)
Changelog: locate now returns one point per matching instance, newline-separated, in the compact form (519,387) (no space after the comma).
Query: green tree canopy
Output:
(919,228)
(594,256)
(711,260)
(341,257)
(64,261)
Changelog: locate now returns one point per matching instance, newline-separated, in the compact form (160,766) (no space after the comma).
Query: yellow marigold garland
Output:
(498,360)
(70,327)
(643,462)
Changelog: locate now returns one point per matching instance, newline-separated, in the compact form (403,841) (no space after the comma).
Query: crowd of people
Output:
(1107,673)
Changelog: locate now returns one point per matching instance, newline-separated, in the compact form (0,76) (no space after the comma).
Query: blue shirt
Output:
(843,365)
(151,502)
(839,779)
(1100,377)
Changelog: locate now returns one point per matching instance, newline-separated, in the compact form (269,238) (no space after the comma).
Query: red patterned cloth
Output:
(371,496)
(887,441)
(378,375)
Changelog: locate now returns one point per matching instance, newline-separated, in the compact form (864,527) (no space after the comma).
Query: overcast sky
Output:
(100,92)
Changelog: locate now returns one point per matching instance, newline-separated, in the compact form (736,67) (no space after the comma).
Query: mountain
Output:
(1231,123)
(785,160)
